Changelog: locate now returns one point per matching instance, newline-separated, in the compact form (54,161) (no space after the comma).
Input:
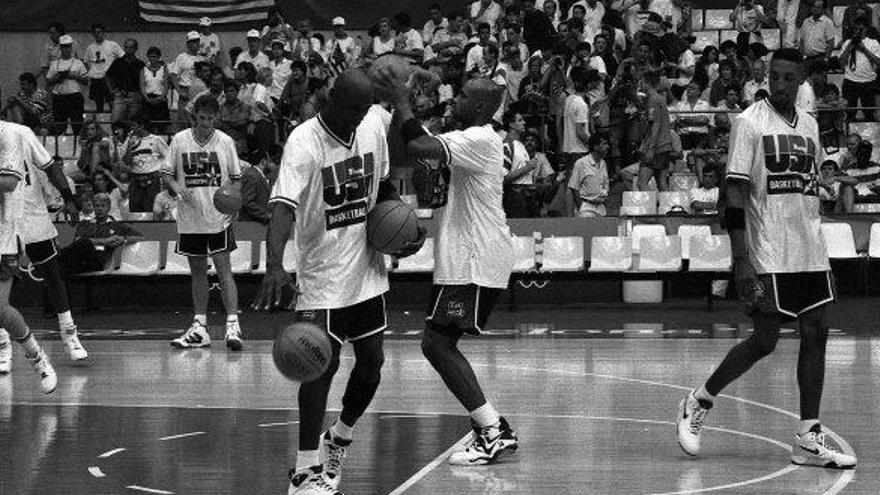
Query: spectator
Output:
(86,203)
(409,42)
(95,240)
(532,95)
(210,46)
(255,189)
(253,55)
(854,10)
(731,102)
(538,30)
(124,81)
(52,49)
(155,84)
(847,159)
(747,19)
(384,40)
(98,58)
(342,48)
(182,73)
(726,78)
(295,93)
(706,69)
(165,206)
(319,95)
(656,148)
(305,44)
(542,172)
(589,179)
(146,155)
(816,37)
(575,127)
(685,67)
(474,58)
(512,65)
(277,29)
(786,17)
(449,41)
(234,115)
(758,82)
(66,76)
(485,11)
(594,12)
(704,199)
(603,49)
(833,187)
(435,21)
(281,71)
(30,107)
(867,172)
(693,128)
(636,14)
(513,36)
(519,192)
(860,58)
(104,181)
(256,96)
(550,10)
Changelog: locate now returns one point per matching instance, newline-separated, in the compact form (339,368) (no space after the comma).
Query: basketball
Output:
(391,225)
(302,352)
(400,67)
(227,199)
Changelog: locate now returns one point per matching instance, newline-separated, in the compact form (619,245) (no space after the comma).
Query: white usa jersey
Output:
(473,244)
(35,224)
(333,183)
(780,160)
(202,168)
(12,202)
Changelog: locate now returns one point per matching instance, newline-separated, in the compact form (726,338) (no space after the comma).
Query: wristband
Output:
(411,130)
(735,219)
(67,195)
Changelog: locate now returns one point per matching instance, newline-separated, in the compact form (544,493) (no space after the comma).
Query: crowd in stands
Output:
(600,96)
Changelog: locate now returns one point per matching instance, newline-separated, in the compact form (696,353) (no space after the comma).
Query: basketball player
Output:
(202,159)
(333,171)
(473,252)
(37,233)
(12,176)
(780,263)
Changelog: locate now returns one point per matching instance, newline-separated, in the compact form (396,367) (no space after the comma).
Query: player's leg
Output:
(197,334)
(694,407)
(810,447)
(14,323)
(5,352)
(229,292)
(45,259)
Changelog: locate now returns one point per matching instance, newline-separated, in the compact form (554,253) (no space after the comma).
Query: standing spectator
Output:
(519,193)
(636,14)
(747,19)
(182,73)
(52,49)
(277,29)
(305,44)
(435,21)
(256,96)
(253,55)
(860,58)
(147,156)
(757,83)
(816,37)
(693,128)
(210,46)
(341,46)
(215,89)
(449,41)
(576,117)
(234,115)
(589,179)
(98,58)
(255,189)
(854,10)
(474,58)
(66,75)
(30,106)
(594,12)
(603,49)
(532,94)
(154,88)
(513,36)
(512,65)
(487,11)
(281,71)
(538,30)
(384,40)
(656,148)
(124,81)
(408,42)
(786,17)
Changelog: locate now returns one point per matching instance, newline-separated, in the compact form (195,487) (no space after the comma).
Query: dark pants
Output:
(859,92)
(263,138)
(98,93)
(68,108)
(143,190)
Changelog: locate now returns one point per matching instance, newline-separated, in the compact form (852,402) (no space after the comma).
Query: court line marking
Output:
(96,472)
(421,473)
(183,435)
(149,490)
(285,423)
(111,453)
(403,416)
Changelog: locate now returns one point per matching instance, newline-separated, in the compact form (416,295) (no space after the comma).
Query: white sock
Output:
(231,318)
(4,338)
(202,319)
(485,415)
(65,321)
(306,459)
(806,424)
(31,347)
(702,394)
(341,430)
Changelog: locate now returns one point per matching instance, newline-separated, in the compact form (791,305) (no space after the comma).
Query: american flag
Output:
(189,11)
(337,61)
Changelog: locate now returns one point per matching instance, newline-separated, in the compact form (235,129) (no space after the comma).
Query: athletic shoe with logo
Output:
(810,450)
(332,451)
(5,354)
(486,445)
(44,369)
(196,336)
(233,335)
(310,481)
(691,414)
(75,349)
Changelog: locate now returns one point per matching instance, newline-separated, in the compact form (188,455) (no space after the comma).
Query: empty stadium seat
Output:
(710,253)
(67,146)
(659,254)
(421,262)
(610,254)
(562,254)
(697,20)
(874,241)
(140,258)
(685,232)
(645,230)
(866,208)
(637,203)
(717,19)
(839,240)
(524,254)
(704,39)
(175,264)
(261,263)
(670,199)
(139,216)
(727,34)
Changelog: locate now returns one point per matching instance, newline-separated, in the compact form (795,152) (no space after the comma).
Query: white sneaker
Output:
(310,481)
(44,369)
(75,349)
(196,336)
(332,451)
(810,450)
(486,446)
(691,414)
(233,335)
(5,354)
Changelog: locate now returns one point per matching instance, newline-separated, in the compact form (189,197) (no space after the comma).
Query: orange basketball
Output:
(302,352)
(391,225)
(227,199)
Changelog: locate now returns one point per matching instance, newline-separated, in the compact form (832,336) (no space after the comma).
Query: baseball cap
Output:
(193,36)
(205,21)
(253,33)
(65,40)
(338,21)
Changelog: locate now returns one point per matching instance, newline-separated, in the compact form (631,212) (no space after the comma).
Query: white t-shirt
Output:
(515,158)
(576,112)
(98,57)
(281,73)
(260,60)
(473,244)
(410,40)
(474,58)
(780,159)
(202,168)
(34,223)
(490,15)
(184,68)
(864,70)
(806,98)
(333,183)
(381,47)
(149,154)
(686,60)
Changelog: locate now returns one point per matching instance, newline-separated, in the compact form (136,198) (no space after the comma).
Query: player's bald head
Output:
(350,99)
(353,85)
(478,101)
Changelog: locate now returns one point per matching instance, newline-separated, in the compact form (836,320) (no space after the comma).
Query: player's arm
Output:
(419,144)
(736,193)
(277,234)
(55,173)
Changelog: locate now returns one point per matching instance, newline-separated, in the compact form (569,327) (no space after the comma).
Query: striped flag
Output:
(337,61)
(189,11)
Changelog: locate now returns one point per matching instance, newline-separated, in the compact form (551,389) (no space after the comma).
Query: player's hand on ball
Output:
(272,290)
(413,247)
(745,277)
(71,212)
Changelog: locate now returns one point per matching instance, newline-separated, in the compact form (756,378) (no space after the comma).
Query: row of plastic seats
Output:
(65,146)
(648,248)
(716,36)
(640,203)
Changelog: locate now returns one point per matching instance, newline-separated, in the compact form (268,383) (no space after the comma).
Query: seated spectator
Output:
(94,145)
(254,53)
(867,173)
(86,202)
(835,187)
(704,199)
(145,155)
(408,43)
(30,106)
(261,130)
(731,102)
(758,82)
(589,179)
(295,93)
(95,240)
(449,41)
(847,159)
(154,89)
(693,128)
(485,12)
(165,206)
(726,78)
(234,116)
(383,40)
(435,22)
(281,68)
(706,69)
(116,188)
(255,188)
